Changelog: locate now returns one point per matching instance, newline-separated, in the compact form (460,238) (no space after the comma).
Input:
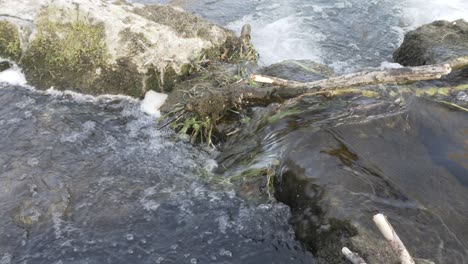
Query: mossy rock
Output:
(184,24)
(298,70)
(74,56)
(97,47)
(433,43)
(9,41)
(61,54)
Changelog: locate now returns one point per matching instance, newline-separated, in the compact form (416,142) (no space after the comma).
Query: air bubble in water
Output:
(224,252)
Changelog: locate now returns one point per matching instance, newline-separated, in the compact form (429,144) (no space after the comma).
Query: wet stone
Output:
(298,70)
(434,43)
(5,65)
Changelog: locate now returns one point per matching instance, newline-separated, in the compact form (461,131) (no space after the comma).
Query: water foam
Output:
(13,76)
(153,102)
(83,98)
(281,33)
(419,12)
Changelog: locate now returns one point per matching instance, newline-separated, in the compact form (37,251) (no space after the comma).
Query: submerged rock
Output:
(434,43)
(298,70)
(344,160)
(100,47)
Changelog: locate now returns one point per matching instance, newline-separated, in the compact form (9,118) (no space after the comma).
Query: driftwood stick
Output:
(391,236)
(400,75)
(458,63)
(352,257)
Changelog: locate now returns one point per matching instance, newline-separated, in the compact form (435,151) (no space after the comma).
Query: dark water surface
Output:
(90,180)
(351,159)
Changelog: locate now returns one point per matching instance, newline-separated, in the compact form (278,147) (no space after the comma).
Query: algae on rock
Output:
(63,52)
(9,41)
(98,46)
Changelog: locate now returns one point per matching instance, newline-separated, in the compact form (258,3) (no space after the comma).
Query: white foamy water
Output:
(13,76)
(419,12)
(281,39)
(280,32)
(346,35)
(152,103)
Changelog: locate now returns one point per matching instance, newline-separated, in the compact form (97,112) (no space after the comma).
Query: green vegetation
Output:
(445,91)
(254,184)
(71,47)
(74,55)
(200,129)
(280,115)
(9,41)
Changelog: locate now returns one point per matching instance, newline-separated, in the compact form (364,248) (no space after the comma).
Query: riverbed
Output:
(91,180)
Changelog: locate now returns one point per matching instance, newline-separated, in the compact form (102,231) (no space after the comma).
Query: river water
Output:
(90,180)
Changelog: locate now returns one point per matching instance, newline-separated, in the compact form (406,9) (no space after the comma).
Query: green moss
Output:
(66,55)
(75,56)
(9,41)
(77,46)
(431,91)
(254,184)
(445,91)
(184,24)
(200,129)
(461,87)
(283,114)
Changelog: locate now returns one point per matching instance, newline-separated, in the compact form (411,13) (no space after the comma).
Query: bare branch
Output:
(393,240)
(399,76)
(458,63)
(352,257)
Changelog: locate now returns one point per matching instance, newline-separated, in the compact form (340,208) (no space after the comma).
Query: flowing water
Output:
(344,34)
(90,180)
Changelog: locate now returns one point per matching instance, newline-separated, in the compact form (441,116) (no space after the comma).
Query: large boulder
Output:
(99,46)
(434,43)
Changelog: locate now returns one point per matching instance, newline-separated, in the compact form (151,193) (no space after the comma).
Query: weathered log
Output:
(399,76)
(458,63)
(394,241)
(352,257)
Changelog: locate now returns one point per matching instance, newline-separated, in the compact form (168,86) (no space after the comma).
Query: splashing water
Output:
(345,34)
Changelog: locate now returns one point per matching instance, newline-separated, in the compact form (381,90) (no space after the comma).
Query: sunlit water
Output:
(90,180)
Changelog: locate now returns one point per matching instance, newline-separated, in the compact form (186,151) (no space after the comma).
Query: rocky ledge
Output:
(108,47)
